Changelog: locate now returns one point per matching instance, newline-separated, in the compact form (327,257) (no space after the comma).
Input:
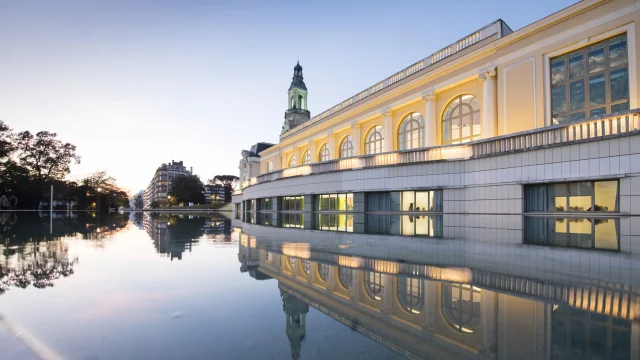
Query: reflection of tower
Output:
(296,311)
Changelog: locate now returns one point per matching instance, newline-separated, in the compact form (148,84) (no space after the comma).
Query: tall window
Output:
(411,131)
(574,196)
(269,166)
(324,153)
(346,147)
(345,276)
(293,203)
(306,266)
(591,81)
(461,307)
(461,120)
(323,271)
(373,285)
(411,294)
(374,140)
(306,158)
(292,262)
(292,161)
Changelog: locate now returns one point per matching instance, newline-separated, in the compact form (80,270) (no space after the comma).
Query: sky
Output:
(134,84)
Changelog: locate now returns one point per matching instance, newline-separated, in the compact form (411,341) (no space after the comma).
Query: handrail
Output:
(590,129)
(486,32)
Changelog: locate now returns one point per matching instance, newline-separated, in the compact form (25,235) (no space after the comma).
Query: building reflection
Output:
(450,306)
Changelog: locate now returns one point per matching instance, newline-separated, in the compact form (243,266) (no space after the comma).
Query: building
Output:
(250,163)
(213,193)
(160,184)
(540,121)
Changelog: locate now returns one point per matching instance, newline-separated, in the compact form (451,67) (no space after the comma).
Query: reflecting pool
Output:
(314,286)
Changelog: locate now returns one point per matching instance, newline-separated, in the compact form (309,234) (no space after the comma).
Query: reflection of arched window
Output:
(306,266)
(306,158)
(461,307)
(411,294)
(411,131)
(291,261)
(292,161)
(461,120)
(323,271)
(374,140)
(324,153)
(373,285)
(346,147)
(345,275)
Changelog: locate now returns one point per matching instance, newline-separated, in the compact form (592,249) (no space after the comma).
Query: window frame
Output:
(405,137)
(324,154)
(455,105)
(293,162)
(375,144)
(346,147)
(306,158)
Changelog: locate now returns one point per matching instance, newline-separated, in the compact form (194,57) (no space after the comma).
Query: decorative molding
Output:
(386,112)
(487,74)
(429,96)
(355,125)
(330,134)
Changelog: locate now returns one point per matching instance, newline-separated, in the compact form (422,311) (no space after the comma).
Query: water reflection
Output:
(425,298)
(593,233)
(33,251)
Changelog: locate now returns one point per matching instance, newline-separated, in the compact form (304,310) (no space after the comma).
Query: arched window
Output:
(300,104)
(292,262)
(373,285)
(461,307)
(306,266)
(292,161)
(345,275)
(461,120)
(306,158)
(346,147)
(324,153)
(411,132)
(374,140)
(411,294)
(323,271)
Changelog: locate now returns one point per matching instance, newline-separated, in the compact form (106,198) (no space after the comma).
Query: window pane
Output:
(597,90)
(577,116)
(557,194)
(558,99)
(408,201)
(606,198)
(557,70)
(558,119)
(618,51)
(620,107)
(576,65)
(596,58)
(606,236)
(422,200)
(598,112)
(576,94)
(619,81)
(580,196)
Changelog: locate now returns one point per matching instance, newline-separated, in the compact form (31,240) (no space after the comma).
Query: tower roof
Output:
(298,79)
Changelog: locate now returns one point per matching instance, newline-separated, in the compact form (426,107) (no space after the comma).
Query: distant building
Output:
(213,193)
(250,162)
(161,182)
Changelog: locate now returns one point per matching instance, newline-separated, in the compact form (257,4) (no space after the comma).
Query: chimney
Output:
(191,170)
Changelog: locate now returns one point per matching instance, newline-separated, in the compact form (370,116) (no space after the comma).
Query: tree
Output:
(186,189)
(45,157)
(138,201)
(228,182)
(6,141)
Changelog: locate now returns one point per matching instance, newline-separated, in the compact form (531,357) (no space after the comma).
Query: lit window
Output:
(410,135)
(292,262)
(346,147)
(591,81)
(373,285)
(292,161)
(324,153)
(345,276)
(461,307)
(461,120)
(374,140)
(411,294)
(306,158)
(323,271)
(306,266)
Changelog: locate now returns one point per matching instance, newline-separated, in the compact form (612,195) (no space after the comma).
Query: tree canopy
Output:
(229,182)
(186,189)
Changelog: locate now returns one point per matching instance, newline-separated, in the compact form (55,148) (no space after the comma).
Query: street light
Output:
(99,191)
(168,200)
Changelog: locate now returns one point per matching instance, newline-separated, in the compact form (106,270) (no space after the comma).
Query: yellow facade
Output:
(509,76)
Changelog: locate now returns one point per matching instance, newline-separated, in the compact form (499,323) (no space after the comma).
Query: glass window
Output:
(335,202)
(346,147)
(411,132)
(270,166)
(306,266)
(461,120)
(405,201)
(461,307)
(335,222)
(323,271)
(576,196)
(292,262)
(293,203)
(593,88)
(374,140)
(306,158)
(373,285)
(411,294)
(600,233)
(292,161)
(345,276)
(324,153)
(293,220)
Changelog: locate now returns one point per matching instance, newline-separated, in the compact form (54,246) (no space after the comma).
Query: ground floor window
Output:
(335,222)
(591,233)
(417,201)
(293,203)
(292,220)
(407,225)
(573,196)
(264,204)
(335,202)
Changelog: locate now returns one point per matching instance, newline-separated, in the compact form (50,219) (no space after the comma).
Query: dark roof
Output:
(298,79)
(260,147)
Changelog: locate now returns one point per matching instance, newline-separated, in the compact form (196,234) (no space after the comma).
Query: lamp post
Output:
(99,191)
(168,200)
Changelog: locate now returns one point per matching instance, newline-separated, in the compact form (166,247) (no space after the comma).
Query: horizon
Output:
(135,85)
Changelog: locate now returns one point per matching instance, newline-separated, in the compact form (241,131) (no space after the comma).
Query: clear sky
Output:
(137,83)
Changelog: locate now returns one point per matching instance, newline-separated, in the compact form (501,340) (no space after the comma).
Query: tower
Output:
(297,112)
(296,311)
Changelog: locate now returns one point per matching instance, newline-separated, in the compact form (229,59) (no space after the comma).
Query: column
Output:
(312,151)
(489,321)
(332,146)
(388,131)
(430,119)
(387,293)
(430,305)
(355,285)
(356,139)
(296,153)
(489,119)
